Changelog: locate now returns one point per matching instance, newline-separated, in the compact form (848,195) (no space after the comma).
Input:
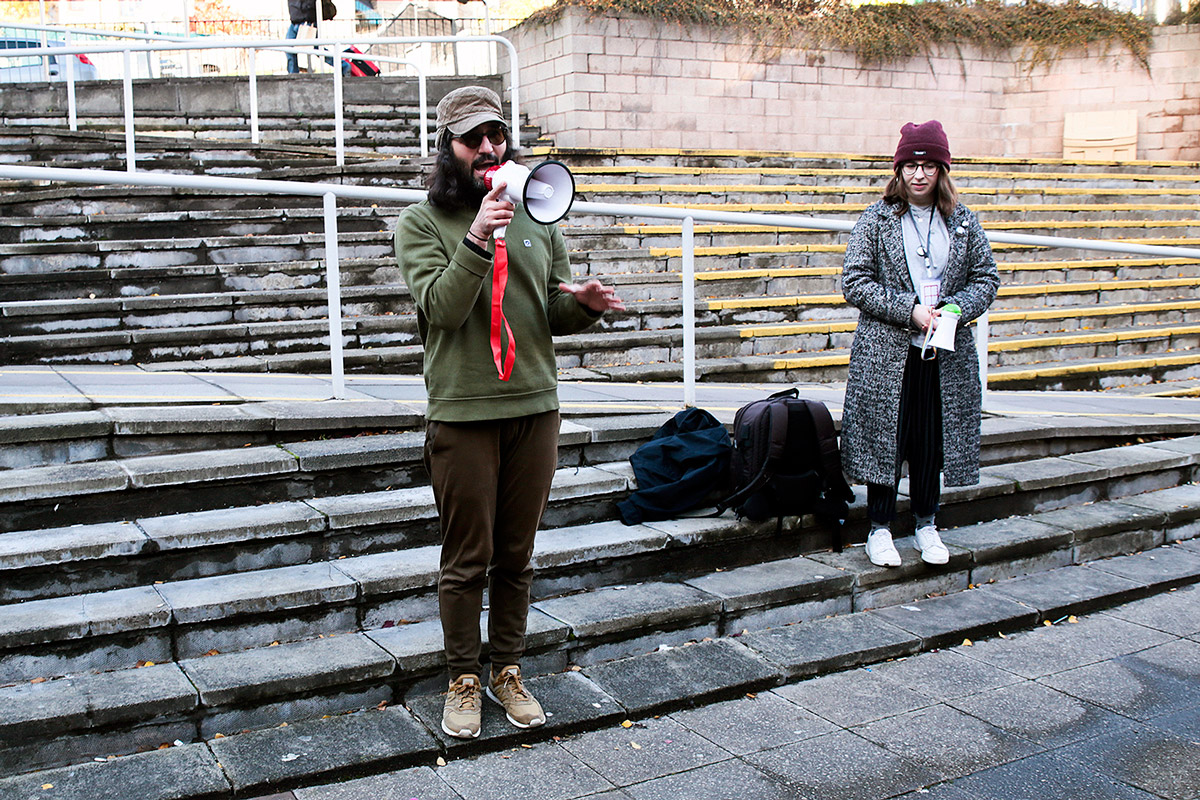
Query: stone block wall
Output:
(636,83)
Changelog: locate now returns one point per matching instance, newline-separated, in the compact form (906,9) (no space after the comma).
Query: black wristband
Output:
(476,248)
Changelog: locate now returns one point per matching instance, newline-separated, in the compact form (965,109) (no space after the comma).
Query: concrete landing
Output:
(44,389)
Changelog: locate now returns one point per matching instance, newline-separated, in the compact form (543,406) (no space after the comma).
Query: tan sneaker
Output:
(461,714)
(507,689)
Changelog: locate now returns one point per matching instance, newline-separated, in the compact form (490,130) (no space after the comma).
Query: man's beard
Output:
(472,189)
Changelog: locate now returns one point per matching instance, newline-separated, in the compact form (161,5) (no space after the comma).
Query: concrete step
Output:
(1095,374)
(186,224)
(1019,343)
(155,311)
(64,256)
(117,431)
(396,736)
(24,200)
(370,343)
(585,232)
(126,472)
(777,307)
(796,193)
(704,159)
(965,179)
(639,690)
(1004,575)
(278,463)
(290,324)
(125,268)
(1045,221)
(204,279)
(34,145)
(281,553)
(368,327)
(364,135)
(996,210)
(1017,263)
(733,282)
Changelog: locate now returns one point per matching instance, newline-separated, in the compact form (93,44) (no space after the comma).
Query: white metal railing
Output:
(311,46)
(72,34)
(687,216)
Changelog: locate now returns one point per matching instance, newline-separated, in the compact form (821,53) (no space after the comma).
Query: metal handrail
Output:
(331,192)
(69,33)
(285,45)
(94,32)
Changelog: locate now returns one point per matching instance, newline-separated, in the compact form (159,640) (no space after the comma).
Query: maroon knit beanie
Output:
(925,141)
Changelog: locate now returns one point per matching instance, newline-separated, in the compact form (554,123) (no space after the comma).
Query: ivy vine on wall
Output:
(879,33)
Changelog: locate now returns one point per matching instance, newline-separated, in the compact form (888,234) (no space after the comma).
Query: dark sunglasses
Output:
(472,139)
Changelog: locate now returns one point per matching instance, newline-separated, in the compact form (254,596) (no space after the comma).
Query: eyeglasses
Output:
(472,139)
(930,168)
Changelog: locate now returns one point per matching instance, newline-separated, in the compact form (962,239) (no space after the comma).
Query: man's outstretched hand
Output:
(594,295)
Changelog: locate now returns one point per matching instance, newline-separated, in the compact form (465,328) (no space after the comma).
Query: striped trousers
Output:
(918,441)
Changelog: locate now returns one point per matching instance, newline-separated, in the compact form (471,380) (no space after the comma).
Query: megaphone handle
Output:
(504,363)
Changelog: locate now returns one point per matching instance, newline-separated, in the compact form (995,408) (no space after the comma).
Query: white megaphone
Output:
(546,191)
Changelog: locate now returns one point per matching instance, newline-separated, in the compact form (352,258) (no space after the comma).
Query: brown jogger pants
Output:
(491,481)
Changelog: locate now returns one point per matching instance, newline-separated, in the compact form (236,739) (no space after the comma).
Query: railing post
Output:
(338,114)
(44,60)
(130,154)
(253,96)
(72,119)
(689,313)
(981,351)
(423,100)
(333,283)
(514,97)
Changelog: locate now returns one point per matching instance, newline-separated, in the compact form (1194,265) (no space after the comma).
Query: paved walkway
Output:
(1104,706)
(26,389)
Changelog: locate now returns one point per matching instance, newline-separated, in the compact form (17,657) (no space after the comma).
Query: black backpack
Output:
(786,462)
(683,464)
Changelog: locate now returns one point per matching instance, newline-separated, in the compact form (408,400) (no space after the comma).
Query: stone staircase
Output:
(206,590)
(179,280)
(204,574)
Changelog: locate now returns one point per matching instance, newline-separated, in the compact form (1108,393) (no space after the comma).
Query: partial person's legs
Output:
(529,456)
(881,510)
(462,461)
(921,434)
(881,505)
(346,67)
(293,65)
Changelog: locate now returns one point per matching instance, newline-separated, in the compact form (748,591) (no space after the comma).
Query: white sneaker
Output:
(881,550)
(930,545)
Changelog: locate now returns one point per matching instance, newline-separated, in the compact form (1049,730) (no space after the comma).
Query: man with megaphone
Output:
(489,274)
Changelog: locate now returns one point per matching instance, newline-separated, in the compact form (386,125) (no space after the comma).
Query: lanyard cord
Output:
(925,251)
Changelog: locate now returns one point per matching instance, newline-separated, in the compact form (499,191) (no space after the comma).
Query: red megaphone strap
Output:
(504,362)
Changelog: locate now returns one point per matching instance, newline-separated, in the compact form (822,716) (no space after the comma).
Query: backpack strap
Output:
(831,462)
(776,444)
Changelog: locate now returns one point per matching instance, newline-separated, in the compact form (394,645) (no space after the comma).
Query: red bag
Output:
(361,66)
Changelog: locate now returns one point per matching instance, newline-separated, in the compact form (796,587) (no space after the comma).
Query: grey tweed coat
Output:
(875,279)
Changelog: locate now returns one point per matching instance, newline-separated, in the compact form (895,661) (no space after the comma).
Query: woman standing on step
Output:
(911,255)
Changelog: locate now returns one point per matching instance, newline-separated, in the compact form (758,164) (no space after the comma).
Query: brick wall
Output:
(636,83)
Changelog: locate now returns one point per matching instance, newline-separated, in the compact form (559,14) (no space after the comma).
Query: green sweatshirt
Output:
(452,286)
